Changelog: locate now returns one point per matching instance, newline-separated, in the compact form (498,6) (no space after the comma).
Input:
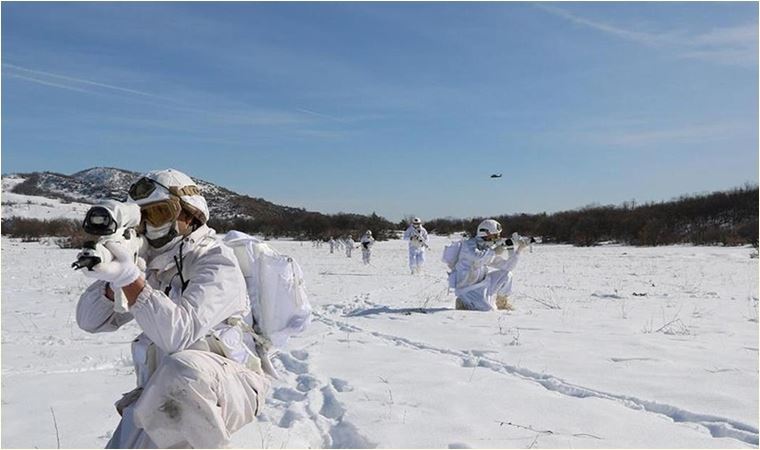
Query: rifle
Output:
(114,222)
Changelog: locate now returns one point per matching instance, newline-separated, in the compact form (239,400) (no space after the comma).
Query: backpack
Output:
(450,257)
(451,254)
(276,289)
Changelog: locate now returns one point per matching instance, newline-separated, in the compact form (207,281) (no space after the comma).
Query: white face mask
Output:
(153,233)
(482,244)
(161,237)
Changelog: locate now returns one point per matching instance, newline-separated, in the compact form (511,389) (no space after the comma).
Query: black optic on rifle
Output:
(99,222)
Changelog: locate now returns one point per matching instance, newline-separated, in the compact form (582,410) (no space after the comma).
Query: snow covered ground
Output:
(609,347)
(36,207)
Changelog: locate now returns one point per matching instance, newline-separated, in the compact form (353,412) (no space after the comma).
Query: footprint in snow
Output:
(345,435)
(286,394)
(301,355)
(306,383)
(292,364)
(341,385)
(331,407)
(313,401)
(469,362)
(293,414)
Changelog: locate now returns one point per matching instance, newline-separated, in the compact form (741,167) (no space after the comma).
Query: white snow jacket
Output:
(174,317)
(367,242)
(473,264)
(416,238)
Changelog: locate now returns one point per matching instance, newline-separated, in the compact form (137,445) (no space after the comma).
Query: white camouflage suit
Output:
(481,274)
(417,243)
(192,396)
(367,241)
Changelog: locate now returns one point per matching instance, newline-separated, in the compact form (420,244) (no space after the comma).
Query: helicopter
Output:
(495,175)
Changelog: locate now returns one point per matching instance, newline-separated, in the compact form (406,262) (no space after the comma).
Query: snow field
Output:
(608,347)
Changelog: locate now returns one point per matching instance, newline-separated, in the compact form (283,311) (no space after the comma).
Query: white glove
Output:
(520,243)
(119,272)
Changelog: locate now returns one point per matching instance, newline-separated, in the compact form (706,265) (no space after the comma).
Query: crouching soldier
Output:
(198,378)
(481,275)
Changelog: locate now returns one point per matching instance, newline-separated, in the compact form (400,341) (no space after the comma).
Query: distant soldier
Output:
(417,236)
(349,242)
(332,245)
(367,242)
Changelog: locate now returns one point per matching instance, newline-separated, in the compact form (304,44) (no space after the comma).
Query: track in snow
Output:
(718,427)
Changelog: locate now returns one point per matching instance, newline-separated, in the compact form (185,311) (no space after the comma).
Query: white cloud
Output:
(240,116)
(48,83)
(318,114)
(698,132)
(735,45)
(78,81)
(636,36)
(735,36)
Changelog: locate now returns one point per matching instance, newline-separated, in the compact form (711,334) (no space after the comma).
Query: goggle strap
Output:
(174,190)
(186,190)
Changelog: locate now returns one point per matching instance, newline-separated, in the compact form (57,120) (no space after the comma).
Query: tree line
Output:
(307,225)
(727,217)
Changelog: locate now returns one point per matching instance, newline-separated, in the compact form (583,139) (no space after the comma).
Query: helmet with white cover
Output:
(368,233)
(162,194)
(416,222)
(489,228)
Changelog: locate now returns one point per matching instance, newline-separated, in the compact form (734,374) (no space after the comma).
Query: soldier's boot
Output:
(502,302)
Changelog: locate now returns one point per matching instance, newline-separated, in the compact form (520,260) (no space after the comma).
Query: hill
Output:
(48,196)
(91,185)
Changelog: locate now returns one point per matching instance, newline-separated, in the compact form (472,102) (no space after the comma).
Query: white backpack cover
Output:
(451,254)
(276,289)
(450,257)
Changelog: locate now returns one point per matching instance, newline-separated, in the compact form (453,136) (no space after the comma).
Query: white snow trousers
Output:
(416,257)
(349,248)
(366,253)
(195,399)
(481,296)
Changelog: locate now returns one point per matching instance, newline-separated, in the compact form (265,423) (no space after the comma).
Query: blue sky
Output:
(397,108)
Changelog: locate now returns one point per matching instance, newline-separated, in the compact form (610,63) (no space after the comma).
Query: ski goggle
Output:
(162,212)
(486,235)
(144,187)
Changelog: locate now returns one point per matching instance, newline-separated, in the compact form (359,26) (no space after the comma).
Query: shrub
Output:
(33,229)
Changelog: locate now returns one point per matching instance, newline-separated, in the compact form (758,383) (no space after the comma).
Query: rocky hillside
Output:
(91,185)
